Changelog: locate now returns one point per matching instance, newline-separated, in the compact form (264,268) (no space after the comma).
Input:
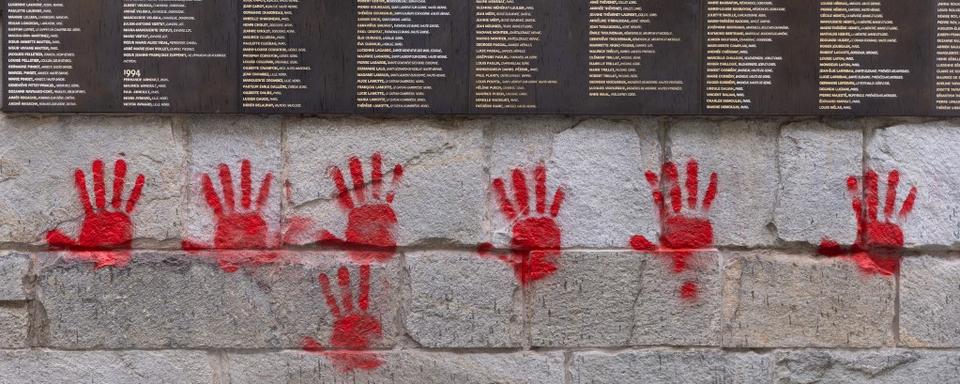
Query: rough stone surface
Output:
(105,367)
(400,367)
(14,323)
(217,140)
(744,155)
(460,300)
(927,157)
(170,300)
(440,198)
(601,164)
(669,367)
(38,157)
(13,268)
(618,299)
(895,366)
(598,163)
(518,143)
(930,302)
(815,162)
(778,300)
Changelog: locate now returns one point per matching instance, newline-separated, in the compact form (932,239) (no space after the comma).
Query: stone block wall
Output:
(483,250)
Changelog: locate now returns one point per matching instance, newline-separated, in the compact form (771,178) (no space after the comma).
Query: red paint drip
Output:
(354,330)
(536,236)
(371,222)
(877,249)
(106,233)
(689,290)
(237,228)
(681,234)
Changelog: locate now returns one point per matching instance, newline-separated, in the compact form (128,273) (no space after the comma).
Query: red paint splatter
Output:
(879,240)
(106,232)
(535,244)
(353,329)
(681,233)
(237,227)
(371,220)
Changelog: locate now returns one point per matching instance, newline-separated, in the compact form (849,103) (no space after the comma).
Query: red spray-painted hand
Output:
(535,244)
(681,232)
(240,227)
(370,219)
(103,228)
(353,329)
(879,241)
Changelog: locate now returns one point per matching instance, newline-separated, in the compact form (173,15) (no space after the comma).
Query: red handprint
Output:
(353,329)
(535,244)
(370,221)
(681,233)
(102,228)
(237,229)
(879,242)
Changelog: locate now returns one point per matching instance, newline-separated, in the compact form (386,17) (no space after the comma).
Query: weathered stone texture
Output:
(601,165)
(744,156)
(930,302)
(229,141)
(669,367)
(14,267)
(893,366)
(14,324)
(778,300)
(815,162)
(460,300)
(927,157)
(619,299)
(184,301)
(105,367)
(400,367)
(598,163)
(440,198)
(40,155)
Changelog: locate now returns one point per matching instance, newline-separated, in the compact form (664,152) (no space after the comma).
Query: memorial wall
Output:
(598,57)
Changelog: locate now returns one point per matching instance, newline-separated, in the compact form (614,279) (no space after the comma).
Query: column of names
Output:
(739,35)
(851,34)
(39,67)
(396,68)
(270,67)
(506,55)
(619,38)
(948,56)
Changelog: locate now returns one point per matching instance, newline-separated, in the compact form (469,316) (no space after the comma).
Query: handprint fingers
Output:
(356,174)
(506,207)
(328,296)
(346,296)
(520,192)
(376,175)
(693,184)
(213,201)
(871,194)
(671,176)
(711,192)
(540,178)
(99,189)
(80,180)
(893,180)
(119,174)
(226,185)
(135,194)
(557,202)
(908,203)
